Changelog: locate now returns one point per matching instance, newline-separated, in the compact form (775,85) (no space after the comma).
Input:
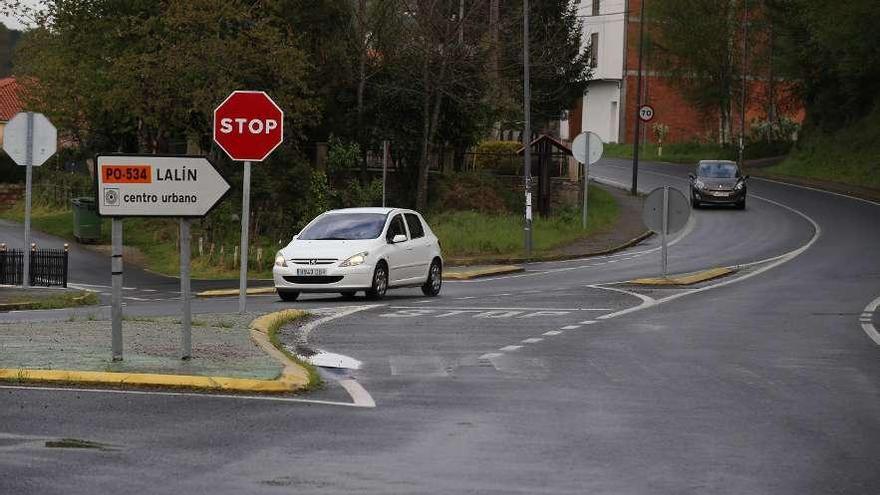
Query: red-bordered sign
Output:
(248,125)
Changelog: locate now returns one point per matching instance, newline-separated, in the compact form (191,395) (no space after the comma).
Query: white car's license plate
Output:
(722,194)
(311,272)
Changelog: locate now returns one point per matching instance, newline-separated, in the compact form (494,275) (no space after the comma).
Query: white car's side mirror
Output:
(398,238)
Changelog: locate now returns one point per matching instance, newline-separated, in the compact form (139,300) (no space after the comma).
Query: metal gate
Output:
(48,267)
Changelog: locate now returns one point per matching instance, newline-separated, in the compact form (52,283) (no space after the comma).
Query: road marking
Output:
(571,327)
(509,348)
(490,355)
(533,340)
(820,191)
(551,333)
(465,308)
(589,322)
(361,402)
(498,314)
(463,298)
(132,298)
(868,326)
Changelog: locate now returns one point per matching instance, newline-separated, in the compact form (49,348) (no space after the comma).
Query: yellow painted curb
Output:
(482,272)
(147,379)
(689,279)
(293,375)
(234,292)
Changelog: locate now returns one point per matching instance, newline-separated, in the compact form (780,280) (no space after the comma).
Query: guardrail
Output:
(48,267)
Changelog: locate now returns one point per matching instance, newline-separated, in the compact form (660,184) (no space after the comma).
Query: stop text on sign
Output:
(253,126)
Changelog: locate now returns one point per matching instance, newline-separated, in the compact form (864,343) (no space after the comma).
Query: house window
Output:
(595,7)
(594,50)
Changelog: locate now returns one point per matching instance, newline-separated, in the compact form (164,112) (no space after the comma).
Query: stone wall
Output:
(10,194)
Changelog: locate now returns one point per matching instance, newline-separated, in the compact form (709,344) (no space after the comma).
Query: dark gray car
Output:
(718,182)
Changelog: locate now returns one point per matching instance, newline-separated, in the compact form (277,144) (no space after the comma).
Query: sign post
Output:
(666,211)
(155,186)
(29,139)
(248,126)
(587,144)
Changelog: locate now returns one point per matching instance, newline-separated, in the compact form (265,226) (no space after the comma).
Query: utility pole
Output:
(527,131)
(638,120)
(742,101)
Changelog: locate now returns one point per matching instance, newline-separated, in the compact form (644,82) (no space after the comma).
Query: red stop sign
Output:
(248,125)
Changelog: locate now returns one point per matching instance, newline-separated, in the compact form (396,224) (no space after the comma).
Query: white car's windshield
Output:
(344,226)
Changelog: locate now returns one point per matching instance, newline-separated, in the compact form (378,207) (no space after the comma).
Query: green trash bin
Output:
(86,221)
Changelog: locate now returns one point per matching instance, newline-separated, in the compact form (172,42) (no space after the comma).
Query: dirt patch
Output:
(627,227)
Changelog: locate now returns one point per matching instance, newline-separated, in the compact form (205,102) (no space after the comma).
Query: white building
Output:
(604,33)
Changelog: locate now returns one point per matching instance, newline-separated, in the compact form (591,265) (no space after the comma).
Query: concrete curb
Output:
(482,272)
(293,376)
(234,292)
(684,280)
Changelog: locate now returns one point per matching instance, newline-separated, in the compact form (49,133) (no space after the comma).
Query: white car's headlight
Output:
(355,260)
(699,184)
(279,260)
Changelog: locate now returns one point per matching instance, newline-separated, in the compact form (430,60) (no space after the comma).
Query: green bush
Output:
(473,191)
(499,156)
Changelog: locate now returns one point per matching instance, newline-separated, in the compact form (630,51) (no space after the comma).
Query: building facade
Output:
(608,107)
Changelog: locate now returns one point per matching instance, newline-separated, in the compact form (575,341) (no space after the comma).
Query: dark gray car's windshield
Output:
(344,226)
(717,170)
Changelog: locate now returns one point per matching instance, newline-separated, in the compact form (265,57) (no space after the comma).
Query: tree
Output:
(141,74)
(695,41)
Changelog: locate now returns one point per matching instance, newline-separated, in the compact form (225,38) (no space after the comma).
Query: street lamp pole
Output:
(635,168)
(527,131)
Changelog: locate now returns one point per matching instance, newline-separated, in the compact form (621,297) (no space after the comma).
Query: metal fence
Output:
(48,267)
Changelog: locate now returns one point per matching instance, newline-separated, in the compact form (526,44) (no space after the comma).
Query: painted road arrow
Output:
(157,186)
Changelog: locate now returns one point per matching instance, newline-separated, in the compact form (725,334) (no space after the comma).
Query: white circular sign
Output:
(646,113)
(44,139)
(596,147)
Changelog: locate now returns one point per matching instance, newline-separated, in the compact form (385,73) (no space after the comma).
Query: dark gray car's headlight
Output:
(739,185)
(699,184)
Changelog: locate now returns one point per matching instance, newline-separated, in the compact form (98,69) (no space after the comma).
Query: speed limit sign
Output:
(646,113)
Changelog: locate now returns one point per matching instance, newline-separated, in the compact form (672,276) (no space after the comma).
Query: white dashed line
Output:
(533,340)
(490,355)
(463,298)
(571,327)
(552,333)
(589,322)
(509,348)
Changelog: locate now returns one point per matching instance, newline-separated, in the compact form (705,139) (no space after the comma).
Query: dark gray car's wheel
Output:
(380,282)
(694,203)
(435,280)
(288,295)
(741,205)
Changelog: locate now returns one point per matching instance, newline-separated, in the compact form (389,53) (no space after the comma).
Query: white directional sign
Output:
(30,136)
(157,186)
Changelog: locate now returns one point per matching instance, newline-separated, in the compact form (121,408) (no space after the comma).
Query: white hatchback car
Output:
(354,249)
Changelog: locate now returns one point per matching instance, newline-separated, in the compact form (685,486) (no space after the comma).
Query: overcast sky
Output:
(14,23)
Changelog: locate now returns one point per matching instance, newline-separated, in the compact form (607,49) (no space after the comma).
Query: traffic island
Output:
(18,299)
(684,279)
(231,353)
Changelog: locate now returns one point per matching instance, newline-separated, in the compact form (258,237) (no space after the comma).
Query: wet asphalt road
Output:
(556,380)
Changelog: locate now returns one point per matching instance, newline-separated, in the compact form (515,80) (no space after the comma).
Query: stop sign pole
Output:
(248,126)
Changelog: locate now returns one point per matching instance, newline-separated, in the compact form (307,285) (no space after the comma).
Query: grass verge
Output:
(467,233)
(315,381)
(35,299)
(674,153)
(848,156)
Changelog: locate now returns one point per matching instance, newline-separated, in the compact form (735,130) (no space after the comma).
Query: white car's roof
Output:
(383,211)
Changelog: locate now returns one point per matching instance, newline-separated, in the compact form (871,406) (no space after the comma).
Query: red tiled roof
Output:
(10,103)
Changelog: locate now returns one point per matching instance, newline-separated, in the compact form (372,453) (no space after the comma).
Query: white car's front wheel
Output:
(435,280)
(380,282)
